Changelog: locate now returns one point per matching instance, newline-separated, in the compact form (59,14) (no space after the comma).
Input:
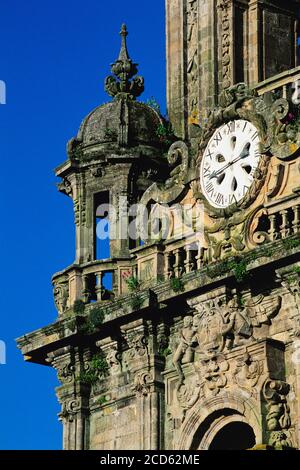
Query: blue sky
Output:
(54,57)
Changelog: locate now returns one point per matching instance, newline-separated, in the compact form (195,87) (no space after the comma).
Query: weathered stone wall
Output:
(175,377)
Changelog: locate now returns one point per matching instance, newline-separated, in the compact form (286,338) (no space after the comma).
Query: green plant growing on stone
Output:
(239,268)
(176,284)
(87,328)
(290,243)
(152,103)
(102,400)
(164,352)
(236,265)
(136,302)
(98,367)
(165,133)
(296,270)
(240,300)
(97,315)
(79,307)
(132,283)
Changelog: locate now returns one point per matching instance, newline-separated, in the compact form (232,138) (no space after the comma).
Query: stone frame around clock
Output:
(236,107)
(259,178)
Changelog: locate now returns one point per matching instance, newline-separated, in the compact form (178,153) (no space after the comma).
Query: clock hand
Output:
(244,154)
(216,173)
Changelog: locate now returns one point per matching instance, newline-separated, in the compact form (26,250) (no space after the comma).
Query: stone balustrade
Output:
(183,257)
(276,223)
(86,283)
(282,83)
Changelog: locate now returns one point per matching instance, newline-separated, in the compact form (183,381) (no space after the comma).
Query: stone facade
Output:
(196,343)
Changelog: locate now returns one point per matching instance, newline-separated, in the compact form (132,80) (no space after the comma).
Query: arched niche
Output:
(205,421)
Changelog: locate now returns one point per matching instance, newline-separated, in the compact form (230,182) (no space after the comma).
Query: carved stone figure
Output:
(213,373)
(185,353)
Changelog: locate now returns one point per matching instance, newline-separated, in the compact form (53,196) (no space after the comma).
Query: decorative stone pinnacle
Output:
(120,84)
(123,56)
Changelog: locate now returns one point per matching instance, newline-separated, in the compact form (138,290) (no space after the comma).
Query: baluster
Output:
(99,287)
(200,256)
(284,92)
(168,266)
(296,221)
(272,229)
(86,293)
(188,259)
(284,227)
(116,281)
(177,265)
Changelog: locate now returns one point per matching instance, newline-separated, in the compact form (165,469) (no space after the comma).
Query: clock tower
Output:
(194,342)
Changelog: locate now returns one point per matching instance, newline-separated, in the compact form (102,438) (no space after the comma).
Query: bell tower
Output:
(214,44)
(112,160)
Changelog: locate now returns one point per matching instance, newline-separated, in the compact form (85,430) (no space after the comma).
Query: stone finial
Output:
(121,83)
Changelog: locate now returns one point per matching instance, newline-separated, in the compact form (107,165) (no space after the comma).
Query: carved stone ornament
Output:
(277,128)
(65,187)
(61,296)
(97,171)
(226,28)
(63,361)
(180,164)
(193,61)
(66,373)
(278,416)
(247,372)
(122,84)
(142,383)
(113,359)
(212,371)
(188,395)
(218,327)
(290,280)
(138,345)
(70,408)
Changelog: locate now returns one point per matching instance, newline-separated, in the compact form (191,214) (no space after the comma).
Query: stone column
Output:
(72,395)
(145,379)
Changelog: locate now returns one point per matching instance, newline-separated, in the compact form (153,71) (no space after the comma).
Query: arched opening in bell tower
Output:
(101,226)
(234,436)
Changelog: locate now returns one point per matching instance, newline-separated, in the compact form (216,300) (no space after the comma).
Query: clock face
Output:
(229,163)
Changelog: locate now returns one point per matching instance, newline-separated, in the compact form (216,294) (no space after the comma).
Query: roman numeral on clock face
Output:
(208,154)
(254,136)
(218,138)
(232,199)
(219,199)
(231,127)
(209,188)
(257,154)
(206,172)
